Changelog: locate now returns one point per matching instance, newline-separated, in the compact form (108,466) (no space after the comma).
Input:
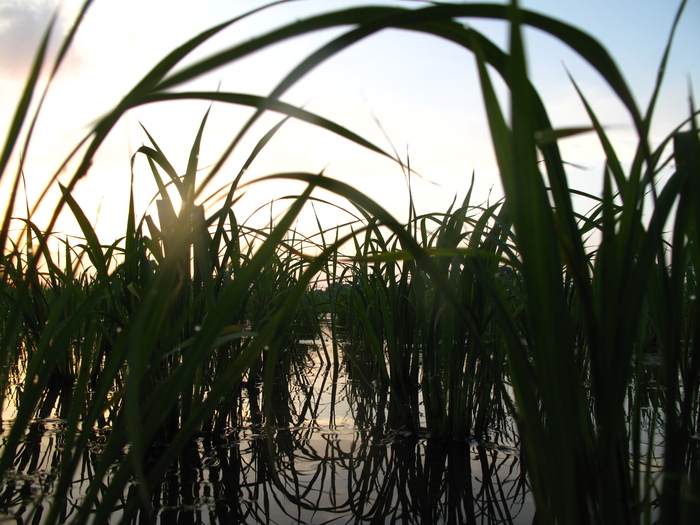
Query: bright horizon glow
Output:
(422,90)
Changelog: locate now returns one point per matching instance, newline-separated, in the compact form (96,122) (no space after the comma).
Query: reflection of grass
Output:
(456,310)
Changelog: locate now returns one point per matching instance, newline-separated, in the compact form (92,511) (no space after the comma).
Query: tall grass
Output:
(584,475)
(149,335)
(420,336)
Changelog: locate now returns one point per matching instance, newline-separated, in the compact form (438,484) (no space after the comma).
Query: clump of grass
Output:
(583,475)
(420,337)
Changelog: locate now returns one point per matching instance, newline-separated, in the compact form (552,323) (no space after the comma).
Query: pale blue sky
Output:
(422,90)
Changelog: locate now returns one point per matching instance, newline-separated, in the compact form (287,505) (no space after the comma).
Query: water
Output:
(318,451)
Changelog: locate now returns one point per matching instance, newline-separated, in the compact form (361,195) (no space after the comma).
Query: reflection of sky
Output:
(422,90)
(317,467)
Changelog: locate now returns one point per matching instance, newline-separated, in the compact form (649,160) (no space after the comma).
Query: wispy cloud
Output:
(22,25)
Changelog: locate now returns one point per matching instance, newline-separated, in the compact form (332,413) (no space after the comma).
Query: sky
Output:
(415,93)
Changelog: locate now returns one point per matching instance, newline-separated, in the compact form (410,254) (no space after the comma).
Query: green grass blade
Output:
(97,256)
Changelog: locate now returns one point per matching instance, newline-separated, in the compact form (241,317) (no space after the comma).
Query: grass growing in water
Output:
(463,305)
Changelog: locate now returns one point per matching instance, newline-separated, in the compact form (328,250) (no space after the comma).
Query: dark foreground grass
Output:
(455,313)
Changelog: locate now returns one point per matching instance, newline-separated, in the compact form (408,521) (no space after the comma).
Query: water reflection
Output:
(297,476)
(317,449)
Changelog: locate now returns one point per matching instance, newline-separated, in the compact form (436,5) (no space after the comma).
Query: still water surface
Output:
(323,454)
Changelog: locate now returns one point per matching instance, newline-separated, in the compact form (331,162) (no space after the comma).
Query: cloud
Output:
(22,26)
